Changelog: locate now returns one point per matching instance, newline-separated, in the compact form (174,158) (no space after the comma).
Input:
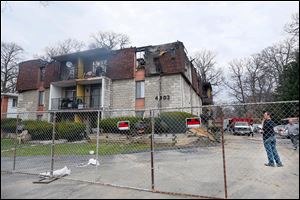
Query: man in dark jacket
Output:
(270,141)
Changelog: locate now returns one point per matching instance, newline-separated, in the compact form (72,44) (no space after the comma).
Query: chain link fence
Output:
(158,150)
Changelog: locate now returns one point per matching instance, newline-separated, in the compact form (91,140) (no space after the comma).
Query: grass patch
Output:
(7,143)
(74,149)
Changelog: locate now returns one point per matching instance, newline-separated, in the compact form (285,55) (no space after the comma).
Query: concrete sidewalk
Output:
(20,186)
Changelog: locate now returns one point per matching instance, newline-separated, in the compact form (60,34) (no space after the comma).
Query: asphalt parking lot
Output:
(196,171)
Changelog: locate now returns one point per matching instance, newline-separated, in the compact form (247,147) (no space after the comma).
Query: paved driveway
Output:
(196,170)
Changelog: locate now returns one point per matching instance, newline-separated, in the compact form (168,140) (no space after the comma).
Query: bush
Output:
(109,125)
(168,122)
(71,131)
(172,122)
(9,125)
(39,130)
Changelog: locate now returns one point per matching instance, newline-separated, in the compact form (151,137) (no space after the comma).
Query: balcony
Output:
(82,102)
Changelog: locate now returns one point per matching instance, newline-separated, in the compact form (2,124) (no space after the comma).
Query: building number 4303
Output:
(165,97)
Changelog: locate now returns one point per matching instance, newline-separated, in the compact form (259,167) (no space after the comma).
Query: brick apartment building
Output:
(136,78)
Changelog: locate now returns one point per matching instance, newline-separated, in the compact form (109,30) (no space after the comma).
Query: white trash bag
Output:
(92,161)
(60,172)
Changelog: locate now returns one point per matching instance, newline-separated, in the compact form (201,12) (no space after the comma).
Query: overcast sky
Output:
(231,29)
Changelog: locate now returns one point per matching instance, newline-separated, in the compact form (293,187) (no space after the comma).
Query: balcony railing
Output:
(80,102)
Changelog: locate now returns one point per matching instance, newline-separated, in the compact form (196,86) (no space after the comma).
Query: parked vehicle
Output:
(257,128)
(242,128)
(229,123)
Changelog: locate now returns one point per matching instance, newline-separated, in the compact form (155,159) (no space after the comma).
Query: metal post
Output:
(97,146)
(152,149)
(15,149)
(224,160)
(52,145)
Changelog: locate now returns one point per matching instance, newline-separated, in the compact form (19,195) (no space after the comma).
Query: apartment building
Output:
(135,78)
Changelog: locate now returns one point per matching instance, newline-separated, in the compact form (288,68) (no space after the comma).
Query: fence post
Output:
(152,148)
(224,159)
(52,145)
(97,145)
(15,149)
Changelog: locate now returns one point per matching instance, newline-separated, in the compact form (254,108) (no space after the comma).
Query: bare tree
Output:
(4,5)
(10,56)
(259,82)
(277,56)
(109,40)
(237,80)
(205,64)
(67,46)
(293,27)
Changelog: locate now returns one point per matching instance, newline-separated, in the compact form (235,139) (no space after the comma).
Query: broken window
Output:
(42,73)
(99,67)
(140,59)
(157,64)
(71,70)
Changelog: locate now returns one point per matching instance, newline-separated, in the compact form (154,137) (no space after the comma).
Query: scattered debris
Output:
(92,161)
(60,172)
(202,132)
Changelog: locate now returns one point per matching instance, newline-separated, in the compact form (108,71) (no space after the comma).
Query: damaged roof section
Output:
(166,59)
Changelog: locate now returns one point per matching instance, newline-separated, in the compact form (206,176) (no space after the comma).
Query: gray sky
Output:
(231,29)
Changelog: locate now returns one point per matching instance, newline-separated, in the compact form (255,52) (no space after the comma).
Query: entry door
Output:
(95,96)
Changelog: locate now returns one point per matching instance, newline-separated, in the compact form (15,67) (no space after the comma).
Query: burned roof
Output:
(83,54)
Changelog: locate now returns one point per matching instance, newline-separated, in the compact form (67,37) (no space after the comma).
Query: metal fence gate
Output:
(222,158)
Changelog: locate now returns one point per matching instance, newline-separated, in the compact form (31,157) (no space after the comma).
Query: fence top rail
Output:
(229,104)
(148,110)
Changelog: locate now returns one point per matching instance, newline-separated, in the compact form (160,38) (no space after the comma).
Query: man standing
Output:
(270,141)
(293,132)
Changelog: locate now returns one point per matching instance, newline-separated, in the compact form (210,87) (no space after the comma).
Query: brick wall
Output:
(28,75)
(121,64)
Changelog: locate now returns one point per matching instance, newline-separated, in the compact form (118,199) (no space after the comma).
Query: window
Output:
(15,103)
(99,67)
(139,113)
(39,117)
(140,89)
(41,98)
(42,73)
(70,93)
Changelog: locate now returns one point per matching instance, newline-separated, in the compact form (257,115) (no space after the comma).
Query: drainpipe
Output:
(102,92)
(181,89)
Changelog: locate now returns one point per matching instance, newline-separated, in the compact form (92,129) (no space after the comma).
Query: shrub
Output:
(9,125)
(168,122)
(172,122)
(71,131)
(39,130)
